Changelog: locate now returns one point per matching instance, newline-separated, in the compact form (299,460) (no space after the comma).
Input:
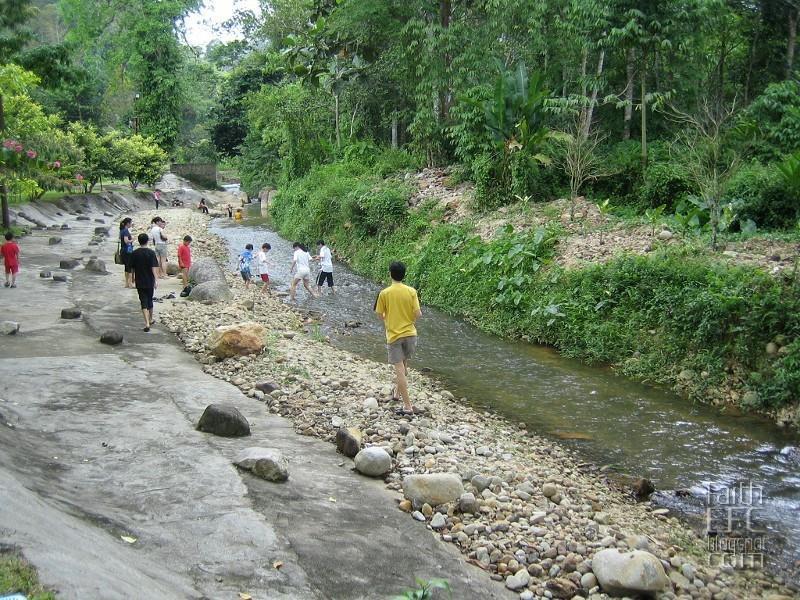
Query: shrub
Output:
(761,195)
(624,162)
(774,117)
(664,183)
(377,209)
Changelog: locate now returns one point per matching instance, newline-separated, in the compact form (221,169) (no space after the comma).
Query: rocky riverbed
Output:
(523,509)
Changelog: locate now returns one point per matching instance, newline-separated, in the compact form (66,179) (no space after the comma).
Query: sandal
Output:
(402,412)
(395,396)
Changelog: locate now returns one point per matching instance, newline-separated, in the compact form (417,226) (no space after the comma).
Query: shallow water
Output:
(637,429)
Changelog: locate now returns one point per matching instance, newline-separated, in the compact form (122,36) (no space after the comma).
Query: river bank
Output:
(552,537)
(712,326)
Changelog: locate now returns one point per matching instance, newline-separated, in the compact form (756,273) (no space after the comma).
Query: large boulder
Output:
(433,488)
(173,269)
(71,313)
(266,463)
(211,292)
(206,269)
(69,263)
(111,337)
(223,420)
(9,327)
(629,573)
(348,441)
(373,462)
(237,340)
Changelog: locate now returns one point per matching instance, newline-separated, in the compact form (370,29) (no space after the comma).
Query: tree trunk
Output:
(336,121)
(792,42)
(394,130)
(587,122)
(445,10)
(630,72)
(3,191)
(643,75)
(584,60)
(750,63)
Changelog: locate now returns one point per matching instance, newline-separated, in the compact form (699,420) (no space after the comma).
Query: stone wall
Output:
(204,174)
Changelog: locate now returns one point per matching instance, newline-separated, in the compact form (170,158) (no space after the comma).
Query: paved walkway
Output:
(97,443)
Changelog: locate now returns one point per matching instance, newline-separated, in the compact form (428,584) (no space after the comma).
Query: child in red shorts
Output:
(10,252)
(262,266)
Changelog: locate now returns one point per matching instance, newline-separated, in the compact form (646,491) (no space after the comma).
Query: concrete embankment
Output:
(108,489)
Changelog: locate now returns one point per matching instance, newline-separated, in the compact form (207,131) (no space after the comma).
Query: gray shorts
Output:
(161,250)
(402,349)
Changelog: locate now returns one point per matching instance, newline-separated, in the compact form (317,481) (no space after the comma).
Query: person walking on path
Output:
(245,259)
(261,259)
(159,244)
(398,307)
(185,259)
(325,267)
(10,252)
(126,248)
(301,271)
(145,271)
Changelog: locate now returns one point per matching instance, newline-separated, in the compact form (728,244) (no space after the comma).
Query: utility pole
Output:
(3,191)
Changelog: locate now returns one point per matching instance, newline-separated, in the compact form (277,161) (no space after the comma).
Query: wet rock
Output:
(433,489)
(348,441)
(82,218)
(373,462)
(9,327)
(629,573)
(237,340)
(64,226)
(642,488)
(266,463)
(173,269)
(266,386)
(61,277)
(45,274)
(103,231)
(110,337)
(224,420)
(480,482)
(206,269)
(95,265)
(69,263)
(70,313)
(211,292)
(54,240)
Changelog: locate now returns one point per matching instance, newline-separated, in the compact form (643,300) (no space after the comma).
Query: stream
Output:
(686,449)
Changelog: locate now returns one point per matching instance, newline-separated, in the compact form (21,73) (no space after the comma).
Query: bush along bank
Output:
(715,332)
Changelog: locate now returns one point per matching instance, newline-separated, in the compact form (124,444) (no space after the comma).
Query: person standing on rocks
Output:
(10,252)
(126,249)
(160,244)
(245,258)
(325,268)
(202,206)
(157,197)
(261,258)
(145,271)
(398,307)
(229,208)
(301,271)
(185,259)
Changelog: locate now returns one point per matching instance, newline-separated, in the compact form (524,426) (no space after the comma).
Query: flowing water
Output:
(686,449)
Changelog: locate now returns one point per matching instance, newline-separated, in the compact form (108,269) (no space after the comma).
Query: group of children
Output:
(300,269)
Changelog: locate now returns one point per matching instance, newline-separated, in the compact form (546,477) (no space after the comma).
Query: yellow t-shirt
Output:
(398,304)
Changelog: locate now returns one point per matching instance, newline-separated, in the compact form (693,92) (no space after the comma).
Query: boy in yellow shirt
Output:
(398,307)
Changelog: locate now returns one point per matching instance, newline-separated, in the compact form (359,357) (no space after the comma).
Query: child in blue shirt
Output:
(245,258)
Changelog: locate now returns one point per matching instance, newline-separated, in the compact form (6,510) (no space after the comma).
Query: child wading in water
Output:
(300,270)
(10,252)
(245,258)
(261,258)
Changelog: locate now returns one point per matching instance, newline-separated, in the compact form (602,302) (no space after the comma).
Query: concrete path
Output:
(98,443)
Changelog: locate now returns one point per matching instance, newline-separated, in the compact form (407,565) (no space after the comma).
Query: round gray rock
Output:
(54,240)
(173,269)
(60,277)
(432,488)
(69,263)
(71,313)
(629,573)
(110,337)
(9,327)
(373,462)
(211,292)
(224,420)
(95,265)
(45,274)
(266,463)
(206,269)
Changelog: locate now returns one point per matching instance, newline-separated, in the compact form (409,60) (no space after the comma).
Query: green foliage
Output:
(425,590)
(623,161)
(775,119)
(764,197)
(665,183)
(779,384)
(17,576)
(138,159)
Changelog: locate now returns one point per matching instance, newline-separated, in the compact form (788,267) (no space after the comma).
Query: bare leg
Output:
(146,314)
(292,289)
(308,288)
(402,384)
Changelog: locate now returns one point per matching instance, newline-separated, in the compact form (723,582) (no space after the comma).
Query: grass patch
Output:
(18,576)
